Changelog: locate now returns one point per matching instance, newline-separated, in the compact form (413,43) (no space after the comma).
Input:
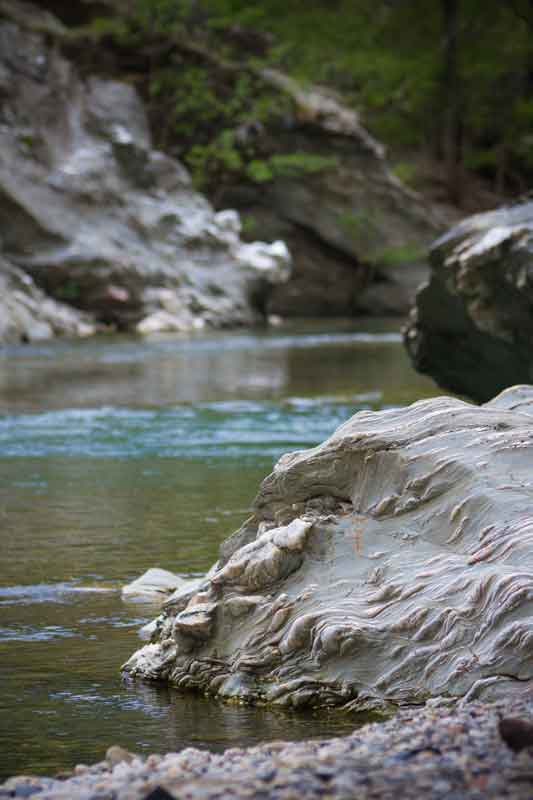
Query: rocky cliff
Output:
(95,218)
(472,325)
(390,564)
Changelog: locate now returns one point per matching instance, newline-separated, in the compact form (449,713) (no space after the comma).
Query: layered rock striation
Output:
(390,564)
(96,217)
(472,324)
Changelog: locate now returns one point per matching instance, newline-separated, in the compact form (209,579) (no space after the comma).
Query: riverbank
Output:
(434,752)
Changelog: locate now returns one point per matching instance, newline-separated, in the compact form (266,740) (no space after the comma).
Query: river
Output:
(118,454)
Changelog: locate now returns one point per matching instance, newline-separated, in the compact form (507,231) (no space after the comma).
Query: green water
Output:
(117,455)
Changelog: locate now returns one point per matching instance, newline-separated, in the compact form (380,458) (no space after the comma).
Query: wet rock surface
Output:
(471,326)
(100,220)
(433,753)
(388,565)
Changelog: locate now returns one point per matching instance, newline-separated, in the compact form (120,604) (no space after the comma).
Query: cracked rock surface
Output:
(390,564)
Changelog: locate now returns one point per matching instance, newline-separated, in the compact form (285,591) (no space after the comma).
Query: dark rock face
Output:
(390,564)
(472,325)
(98,218)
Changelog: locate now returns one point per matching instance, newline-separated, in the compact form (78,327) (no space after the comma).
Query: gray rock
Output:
(28,315)
(357,234)
(97,217)
(156,585)
(472,324)
(391,564)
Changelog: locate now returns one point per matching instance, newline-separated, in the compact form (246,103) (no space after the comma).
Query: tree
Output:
(453,77)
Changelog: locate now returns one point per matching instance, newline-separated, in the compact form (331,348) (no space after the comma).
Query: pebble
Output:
(436,752)
(118,755)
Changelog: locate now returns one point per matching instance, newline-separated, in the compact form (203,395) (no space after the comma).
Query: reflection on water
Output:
(117,455)
(209,368)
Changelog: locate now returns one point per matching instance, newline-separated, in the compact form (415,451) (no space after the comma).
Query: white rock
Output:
(154,585)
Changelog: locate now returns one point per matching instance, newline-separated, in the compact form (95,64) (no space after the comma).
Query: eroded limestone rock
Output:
(98,218)
(472,324)
(392,563)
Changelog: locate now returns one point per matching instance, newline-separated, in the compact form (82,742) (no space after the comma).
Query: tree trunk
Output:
(452,122)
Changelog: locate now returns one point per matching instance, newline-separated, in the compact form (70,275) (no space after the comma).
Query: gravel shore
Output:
(433,752)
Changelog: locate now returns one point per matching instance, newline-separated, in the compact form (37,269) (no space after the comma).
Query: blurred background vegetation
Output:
(447,85)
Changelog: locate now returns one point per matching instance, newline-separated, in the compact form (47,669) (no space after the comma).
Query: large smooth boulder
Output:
(472,325)
(98,218)
(390,564)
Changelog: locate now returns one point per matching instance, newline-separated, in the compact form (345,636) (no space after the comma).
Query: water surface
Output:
(119,454)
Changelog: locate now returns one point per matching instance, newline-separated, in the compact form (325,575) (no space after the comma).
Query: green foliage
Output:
(70,291)
(161,16)
(398,256)
(249,226)
(215,159)
(361,227)
(481,158)
(289,165)
(259,171)
(27,141)
(388,59)
(215,118)
(406,172)
(100,28)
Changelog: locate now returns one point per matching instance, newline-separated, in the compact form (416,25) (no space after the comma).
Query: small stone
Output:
(117,755)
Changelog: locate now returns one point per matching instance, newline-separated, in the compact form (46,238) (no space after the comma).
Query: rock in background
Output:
(357,234)
(391,564)
(100,220)
(472,325)
(28,315)
(294,160)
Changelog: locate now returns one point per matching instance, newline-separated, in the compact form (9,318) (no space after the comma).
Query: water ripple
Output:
(229,429)
(44,593)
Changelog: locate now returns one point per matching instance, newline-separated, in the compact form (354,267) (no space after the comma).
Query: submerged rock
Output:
(472,325)
(98,218)
(390,564)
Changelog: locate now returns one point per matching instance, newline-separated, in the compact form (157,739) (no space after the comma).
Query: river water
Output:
(118,454)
